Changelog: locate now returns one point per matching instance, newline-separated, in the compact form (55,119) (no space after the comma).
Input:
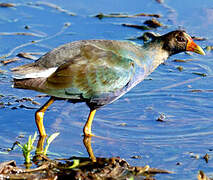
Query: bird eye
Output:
(180,39)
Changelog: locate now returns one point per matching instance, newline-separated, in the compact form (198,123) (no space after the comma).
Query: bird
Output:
(97,72)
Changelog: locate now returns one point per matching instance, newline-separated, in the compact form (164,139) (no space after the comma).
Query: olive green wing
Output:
(92,73)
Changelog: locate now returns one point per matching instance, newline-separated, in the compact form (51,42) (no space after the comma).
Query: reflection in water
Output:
(40,145)
(87,144)
(86,141)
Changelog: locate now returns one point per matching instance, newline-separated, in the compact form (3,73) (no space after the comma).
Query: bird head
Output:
(179,41)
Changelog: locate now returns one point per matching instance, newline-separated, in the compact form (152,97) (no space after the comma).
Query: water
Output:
(129,124)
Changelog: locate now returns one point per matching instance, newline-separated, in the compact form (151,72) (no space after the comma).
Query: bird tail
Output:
(37,84)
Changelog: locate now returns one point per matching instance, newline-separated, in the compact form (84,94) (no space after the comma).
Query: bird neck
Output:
(154,54)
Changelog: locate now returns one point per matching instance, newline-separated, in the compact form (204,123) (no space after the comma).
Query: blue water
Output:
(129,125)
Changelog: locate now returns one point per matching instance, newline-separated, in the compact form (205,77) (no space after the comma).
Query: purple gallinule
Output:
(97,72)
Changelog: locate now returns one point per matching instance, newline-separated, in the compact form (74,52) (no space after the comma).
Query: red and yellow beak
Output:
(191,46)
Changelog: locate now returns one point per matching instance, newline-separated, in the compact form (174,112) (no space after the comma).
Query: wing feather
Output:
(94,71)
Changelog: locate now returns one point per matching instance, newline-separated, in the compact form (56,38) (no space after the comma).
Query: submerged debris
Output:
(6,167)
(78,168)
(141,27)
(195,156)
(183,60)
(161,118)
(206,157)
(150,15)
(123,15)
(21,33)
(180,68)
(201,176)
(28,55)
(201,90)
(199,38)
(7,61)
(15,103)
(153,23)
(178,163)
(7,5)
(25,99)
(26,27)
(148,25)
(136,157)
(209,48)
(196,90)
(200,74)
(54,6)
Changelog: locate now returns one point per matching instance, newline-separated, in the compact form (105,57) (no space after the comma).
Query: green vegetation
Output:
(29,147)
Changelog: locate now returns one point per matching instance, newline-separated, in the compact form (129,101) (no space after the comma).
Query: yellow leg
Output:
(88,125)
(87,144)
(39,115)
